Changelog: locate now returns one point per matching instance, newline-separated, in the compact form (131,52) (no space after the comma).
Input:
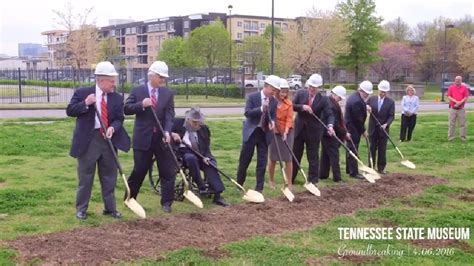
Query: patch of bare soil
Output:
(150,238)
(467,196)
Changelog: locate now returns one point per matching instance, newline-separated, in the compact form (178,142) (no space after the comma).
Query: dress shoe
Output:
(114,214)
(383,172)
(81,215)
(358,176)
(337,180)
(166,208)
(220,201)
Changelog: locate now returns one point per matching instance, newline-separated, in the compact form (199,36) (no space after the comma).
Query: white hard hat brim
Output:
(161,74)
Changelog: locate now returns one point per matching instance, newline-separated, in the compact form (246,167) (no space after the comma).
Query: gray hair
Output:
(194,114)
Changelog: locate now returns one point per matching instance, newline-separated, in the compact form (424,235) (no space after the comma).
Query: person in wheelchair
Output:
(193,138)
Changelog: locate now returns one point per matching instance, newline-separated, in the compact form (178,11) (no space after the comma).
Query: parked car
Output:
(295,82)
(446,84)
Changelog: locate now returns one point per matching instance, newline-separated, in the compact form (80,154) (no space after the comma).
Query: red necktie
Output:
(154,102)
(310,100)
(103,114)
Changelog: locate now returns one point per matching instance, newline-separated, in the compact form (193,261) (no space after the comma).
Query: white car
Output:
(295,82)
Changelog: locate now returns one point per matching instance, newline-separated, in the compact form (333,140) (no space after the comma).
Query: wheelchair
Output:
(154,179)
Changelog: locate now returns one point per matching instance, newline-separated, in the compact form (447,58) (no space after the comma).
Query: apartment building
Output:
(55,41)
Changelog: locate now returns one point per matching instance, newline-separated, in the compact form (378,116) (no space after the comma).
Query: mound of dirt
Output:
(132,240)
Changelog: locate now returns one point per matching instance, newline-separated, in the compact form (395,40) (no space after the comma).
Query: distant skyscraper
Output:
(31,49)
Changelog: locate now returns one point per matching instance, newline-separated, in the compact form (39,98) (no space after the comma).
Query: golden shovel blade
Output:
(408,164)
(253,196)
(288,194)
(367,169)
(193,198)
(312,188)
(135,207)
(369,177)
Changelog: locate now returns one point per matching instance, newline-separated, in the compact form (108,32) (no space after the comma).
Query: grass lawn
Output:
(13,92)
(38,182)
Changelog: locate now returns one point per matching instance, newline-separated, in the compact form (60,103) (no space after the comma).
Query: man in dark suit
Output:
(192,131)
(309,131)
(330,146)
(260,111)
(88,143)
(148,139)
(355,115)
(382,107)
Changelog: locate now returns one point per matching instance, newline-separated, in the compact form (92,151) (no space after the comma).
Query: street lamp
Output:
(445,60)
(230,44)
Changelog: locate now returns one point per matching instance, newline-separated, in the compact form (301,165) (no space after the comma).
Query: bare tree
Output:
(421,30)
(313,44)
(395,58)
(82,41)
(397,30)
(466,55)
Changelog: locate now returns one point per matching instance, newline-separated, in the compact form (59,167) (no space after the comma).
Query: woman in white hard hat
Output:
(381,108)
(330,146)
(284,130)
(410,104)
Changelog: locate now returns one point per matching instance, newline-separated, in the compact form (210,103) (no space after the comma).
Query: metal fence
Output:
(58,85)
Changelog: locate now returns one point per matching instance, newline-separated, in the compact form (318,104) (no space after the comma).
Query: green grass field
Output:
(38,182)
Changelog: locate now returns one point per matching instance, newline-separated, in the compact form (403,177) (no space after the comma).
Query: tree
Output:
(466,55)
(313,44)
(175,53)
(397,30)
(210,44)
(82,41)
(395,57)
(364,34)
(255,51)
(109,49)
(420,31)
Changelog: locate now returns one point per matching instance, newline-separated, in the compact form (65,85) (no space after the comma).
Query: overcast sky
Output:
(23,21)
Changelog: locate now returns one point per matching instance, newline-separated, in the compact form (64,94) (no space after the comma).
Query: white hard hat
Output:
(105,68)
(384,86)
(315,80)
(273,81)
(339,91)
(366,86)
(160,68)
(284,84)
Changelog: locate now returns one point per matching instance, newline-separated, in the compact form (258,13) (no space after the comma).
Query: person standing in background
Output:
(457,95)
(410,105)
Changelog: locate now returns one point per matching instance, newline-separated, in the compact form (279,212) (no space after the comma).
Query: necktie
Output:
(154,102)
(193,140)
(103,114)
(380,104)
(264,118)
(310,100)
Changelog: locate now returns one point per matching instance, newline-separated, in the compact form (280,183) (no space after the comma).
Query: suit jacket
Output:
(385,115)
(253,114)
(144,120)
(85,121)
(339,126)
(355,114)
(320,108)
(203,134)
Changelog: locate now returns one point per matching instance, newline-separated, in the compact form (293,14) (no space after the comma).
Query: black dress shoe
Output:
(114,214)
(166,208)
(358,176)
(221,201)
(81,215)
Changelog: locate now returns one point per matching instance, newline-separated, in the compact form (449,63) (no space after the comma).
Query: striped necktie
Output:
(103,114)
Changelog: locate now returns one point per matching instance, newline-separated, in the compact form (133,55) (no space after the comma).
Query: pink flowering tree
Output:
(395,59)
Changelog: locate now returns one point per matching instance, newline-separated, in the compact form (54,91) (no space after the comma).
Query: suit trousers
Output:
(195,166)
(98,154)
(257,139)
(329,158)
(406,129)
(167,169)
(378,148)
(312,141)
(352,167)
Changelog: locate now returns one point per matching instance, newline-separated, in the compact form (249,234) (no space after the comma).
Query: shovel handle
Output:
(386,134)
(296,161)
(214,166)
(278,152)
